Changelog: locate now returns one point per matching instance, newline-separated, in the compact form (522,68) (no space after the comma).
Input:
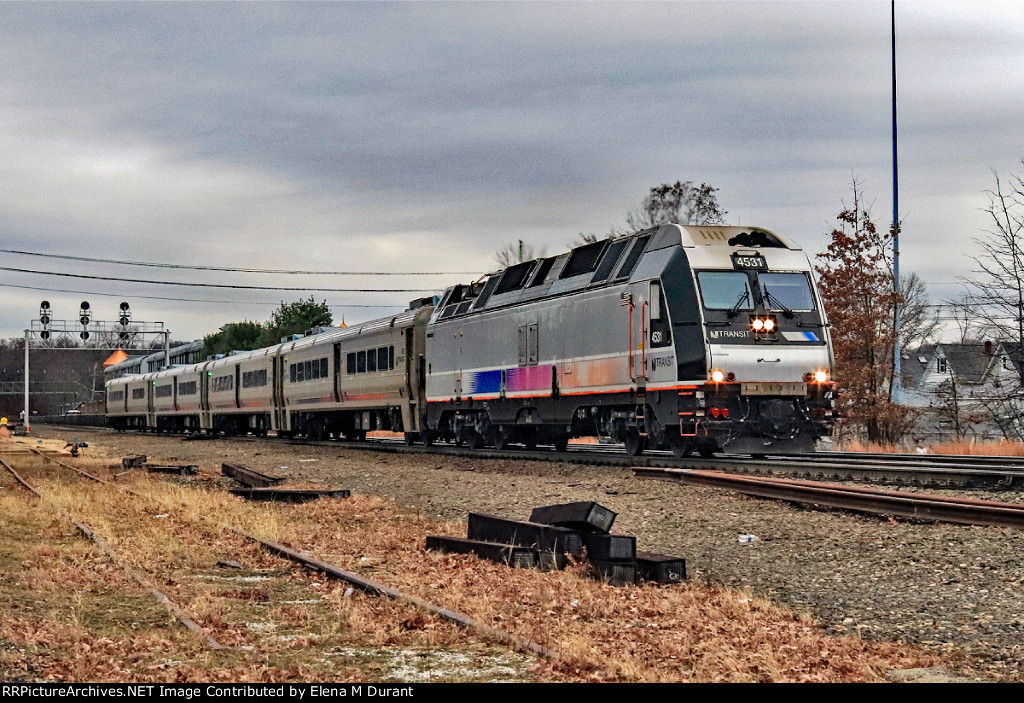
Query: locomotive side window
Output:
(361,362)
(543,270)
(723,290)
(608,261)
(164,391)
(782,291)
(350,363)
(323,367)
(633,257)
(661,331)
(391,357)
(188,388)
(371,360)
(514,277)
(583,259)
(138,393)
(382,358)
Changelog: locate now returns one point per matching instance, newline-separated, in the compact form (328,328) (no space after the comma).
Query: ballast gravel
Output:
(954,588)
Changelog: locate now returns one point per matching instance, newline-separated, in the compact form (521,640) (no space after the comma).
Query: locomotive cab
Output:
(767,385)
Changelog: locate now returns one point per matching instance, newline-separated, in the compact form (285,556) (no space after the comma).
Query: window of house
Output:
(940,364)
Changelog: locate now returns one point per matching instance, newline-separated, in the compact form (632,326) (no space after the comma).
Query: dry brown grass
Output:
(287,619)
(1000,448)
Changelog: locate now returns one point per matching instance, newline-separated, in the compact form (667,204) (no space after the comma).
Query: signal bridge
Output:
(87,333)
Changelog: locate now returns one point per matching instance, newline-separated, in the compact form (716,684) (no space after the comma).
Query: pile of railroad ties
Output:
(558,534)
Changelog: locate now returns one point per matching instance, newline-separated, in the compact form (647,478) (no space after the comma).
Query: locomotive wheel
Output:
(682,447)
(473,439)
(501,439)
(427,437)
(530,440)
(706,449)
(561,443)
(410,438)
(634,442)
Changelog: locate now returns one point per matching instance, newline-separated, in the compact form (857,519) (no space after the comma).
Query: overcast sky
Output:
(423,137)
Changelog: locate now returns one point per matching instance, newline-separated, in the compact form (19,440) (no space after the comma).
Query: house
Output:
(965,390)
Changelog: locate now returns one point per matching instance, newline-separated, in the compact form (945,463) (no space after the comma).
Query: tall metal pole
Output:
(26,420)
(896,377)
(167,349)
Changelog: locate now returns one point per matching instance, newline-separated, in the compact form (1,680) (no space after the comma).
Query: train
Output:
(699,339)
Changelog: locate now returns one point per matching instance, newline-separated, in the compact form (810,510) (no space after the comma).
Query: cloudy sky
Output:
(422,137)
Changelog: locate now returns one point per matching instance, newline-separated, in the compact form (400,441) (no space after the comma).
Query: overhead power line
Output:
(291,272)
(216,285)
(182,300)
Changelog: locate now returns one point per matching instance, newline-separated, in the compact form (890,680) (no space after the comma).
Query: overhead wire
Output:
(182,300)
(192,267)
(231,286)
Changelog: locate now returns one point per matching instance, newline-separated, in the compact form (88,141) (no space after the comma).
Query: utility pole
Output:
(896,373)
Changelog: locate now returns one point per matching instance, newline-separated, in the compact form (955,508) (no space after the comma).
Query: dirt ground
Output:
(953,590)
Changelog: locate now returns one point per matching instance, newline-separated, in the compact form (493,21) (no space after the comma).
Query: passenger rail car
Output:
(683,337)
(341,383)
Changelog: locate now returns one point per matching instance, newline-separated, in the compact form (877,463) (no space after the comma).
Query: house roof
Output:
(968,360)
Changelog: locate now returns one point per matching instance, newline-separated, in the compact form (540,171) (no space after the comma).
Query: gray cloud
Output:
(374,135)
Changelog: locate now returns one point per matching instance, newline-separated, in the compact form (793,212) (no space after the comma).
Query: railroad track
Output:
(138,576)
(919,470)
(299,556)
(856,498)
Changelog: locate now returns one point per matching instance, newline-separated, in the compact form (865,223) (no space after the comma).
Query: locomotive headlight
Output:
(769,325)
(717,375)
(820,376)
(757,324)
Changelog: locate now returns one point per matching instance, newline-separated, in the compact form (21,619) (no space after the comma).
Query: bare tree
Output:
(918,321)
(680,202)
(513,254)
(996,288)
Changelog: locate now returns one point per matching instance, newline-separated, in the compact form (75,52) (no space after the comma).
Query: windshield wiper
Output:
(777,304)
(735,309)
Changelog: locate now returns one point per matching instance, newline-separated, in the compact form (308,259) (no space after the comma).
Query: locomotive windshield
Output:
(785,291)
(725,290)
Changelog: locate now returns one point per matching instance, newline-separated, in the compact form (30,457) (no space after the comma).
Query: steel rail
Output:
(360,582)
(989,513)
(127,568)
(974,472)
(377,589)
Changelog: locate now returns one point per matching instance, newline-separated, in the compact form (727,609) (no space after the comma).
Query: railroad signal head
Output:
(84,319)
(85,305)
(124,306)
(45,334)
(84,334)
(44,312)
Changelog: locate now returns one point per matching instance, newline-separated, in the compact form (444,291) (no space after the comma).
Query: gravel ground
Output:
(950,587)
